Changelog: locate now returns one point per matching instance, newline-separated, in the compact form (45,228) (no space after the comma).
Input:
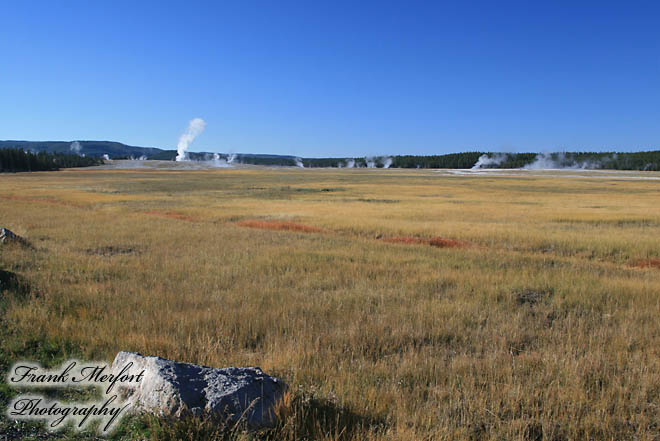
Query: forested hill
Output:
(91,148)
(117,150)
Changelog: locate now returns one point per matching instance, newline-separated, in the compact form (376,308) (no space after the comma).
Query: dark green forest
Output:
(17,160)
(586,160)
(649,160)
(454,160)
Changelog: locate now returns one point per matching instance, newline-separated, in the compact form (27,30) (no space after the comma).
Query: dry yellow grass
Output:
(543,328)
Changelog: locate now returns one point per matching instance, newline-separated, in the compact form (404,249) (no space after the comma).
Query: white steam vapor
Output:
(106,157)
(486,161)
(299,163)
(542,161)
(556,161)
(369,162)
(217,161)
(75,147)
(195,127)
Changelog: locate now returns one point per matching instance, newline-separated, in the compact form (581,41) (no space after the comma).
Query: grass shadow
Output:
(299,416)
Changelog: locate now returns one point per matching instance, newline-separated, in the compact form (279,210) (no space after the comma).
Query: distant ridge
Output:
(649,160)
(117,150)
(89,148)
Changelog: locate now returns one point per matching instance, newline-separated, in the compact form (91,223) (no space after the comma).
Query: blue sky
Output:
(334,78)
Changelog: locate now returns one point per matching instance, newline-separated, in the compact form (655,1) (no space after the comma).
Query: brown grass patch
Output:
(42,201)
(647,263)
(172,215)
(439,242)
(408,240)
(279,225)
(109,251)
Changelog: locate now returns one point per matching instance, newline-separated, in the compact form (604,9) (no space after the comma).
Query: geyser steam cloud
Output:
(544,161)
(75,147)
(486,161)
(195,127)
(369,162)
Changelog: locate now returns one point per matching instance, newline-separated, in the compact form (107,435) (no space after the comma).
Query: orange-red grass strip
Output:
(441,242)
(647,263)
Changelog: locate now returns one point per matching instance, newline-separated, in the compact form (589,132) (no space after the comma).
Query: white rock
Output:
(174,389)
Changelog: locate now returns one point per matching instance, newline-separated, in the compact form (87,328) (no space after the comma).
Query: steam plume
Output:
(489,161)
(545,161)
(195,127)
(220,162)
(75,147)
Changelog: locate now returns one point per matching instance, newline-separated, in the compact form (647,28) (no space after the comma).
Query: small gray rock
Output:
(174,389)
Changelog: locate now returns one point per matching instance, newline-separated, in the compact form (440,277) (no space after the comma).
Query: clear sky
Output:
(334,78)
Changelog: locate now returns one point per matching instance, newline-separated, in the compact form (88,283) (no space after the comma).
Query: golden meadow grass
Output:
(544,327)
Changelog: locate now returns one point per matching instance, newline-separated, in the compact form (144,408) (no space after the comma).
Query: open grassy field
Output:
(397,304)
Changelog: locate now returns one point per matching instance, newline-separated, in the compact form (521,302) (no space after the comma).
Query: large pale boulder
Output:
(174,389)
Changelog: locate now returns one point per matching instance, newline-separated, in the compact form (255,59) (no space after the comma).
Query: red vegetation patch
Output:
(406,240)
(439,242)
(172,215)
(278,225)
(647,263)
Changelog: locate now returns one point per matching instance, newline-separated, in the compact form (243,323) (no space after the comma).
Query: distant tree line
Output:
(589,160)
(622,161)
(256,160)
(453,160)
(247,159)
(17,160)
(14,160)
(323,162)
